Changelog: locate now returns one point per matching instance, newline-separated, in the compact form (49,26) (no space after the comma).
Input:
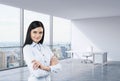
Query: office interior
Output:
(83,34)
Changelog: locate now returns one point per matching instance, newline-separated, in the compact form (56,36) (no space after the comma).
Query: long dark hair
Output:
(33,25)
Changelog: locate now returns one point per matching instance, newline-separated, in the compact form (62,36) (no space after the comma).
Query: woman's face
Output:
(36,34)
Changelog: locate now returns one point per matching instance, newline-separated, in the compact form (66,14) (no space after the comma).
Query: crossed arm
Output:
(38,69)
(38,65)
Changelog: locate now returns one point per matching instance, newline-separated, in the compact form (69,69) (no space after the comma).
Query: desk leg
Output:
(71,55)
(93,58)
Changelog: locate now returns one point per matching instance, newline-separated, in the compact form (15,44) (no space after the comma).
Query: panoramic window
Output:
(9,37)
(61,37)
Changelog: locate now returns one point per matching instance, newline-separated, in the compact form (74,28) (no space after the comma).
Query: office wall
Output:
(97,34)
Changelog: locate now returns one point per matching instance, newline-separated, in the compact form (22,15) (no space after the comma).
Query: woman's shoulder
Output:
(45,46)
(27,46)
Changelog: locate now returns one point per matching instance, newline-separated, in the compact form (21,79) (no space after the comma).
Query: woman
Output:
(39,58)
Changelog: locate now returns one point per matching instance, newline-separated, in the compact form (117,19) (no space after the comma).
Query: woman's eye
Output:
(34,32)
(40,32)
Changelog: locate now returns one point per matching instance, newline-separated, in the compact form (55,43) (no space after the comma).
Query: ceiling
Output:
(70,9)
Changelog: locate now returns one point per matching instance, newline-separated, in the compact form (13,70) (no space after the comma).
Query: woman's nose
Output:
(37,35)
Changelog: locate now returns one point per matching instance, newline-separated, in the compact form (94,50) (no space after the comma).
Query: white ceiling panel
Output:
(70,9)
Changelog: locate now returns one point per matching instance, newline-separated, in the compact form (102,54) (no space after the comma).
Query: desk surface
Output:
(77,51)
(72,51)
(99,53)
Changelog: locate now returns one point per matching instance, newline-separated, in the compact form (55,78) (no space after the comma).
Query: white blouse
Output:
(42,54)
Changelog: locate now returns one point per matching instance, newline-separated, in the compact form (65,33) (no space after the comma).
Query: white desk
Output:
(100,58)
(78,54)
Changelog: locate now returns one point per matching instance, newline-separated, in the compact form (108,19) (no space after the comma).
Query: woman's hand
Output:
(54,61)
(38,65)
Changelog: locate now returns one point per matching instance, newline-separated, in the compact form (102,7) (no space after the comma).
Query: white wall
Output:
(103,34)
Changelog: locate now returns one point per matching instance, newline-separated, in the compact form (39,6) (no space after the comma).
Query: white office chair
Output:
(86,57)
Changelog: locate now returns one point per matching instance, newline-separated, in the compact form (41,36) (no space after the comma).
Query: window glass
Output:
(61,37)
(9,37)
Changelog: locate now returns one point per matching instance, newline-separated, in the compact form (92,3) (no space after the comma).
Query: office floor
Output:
(72,70)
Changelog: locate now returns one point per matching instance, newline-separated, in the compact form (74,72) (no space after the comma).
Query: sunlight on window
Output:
(61,30)
(9,23)
(61,37)
(10,55)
